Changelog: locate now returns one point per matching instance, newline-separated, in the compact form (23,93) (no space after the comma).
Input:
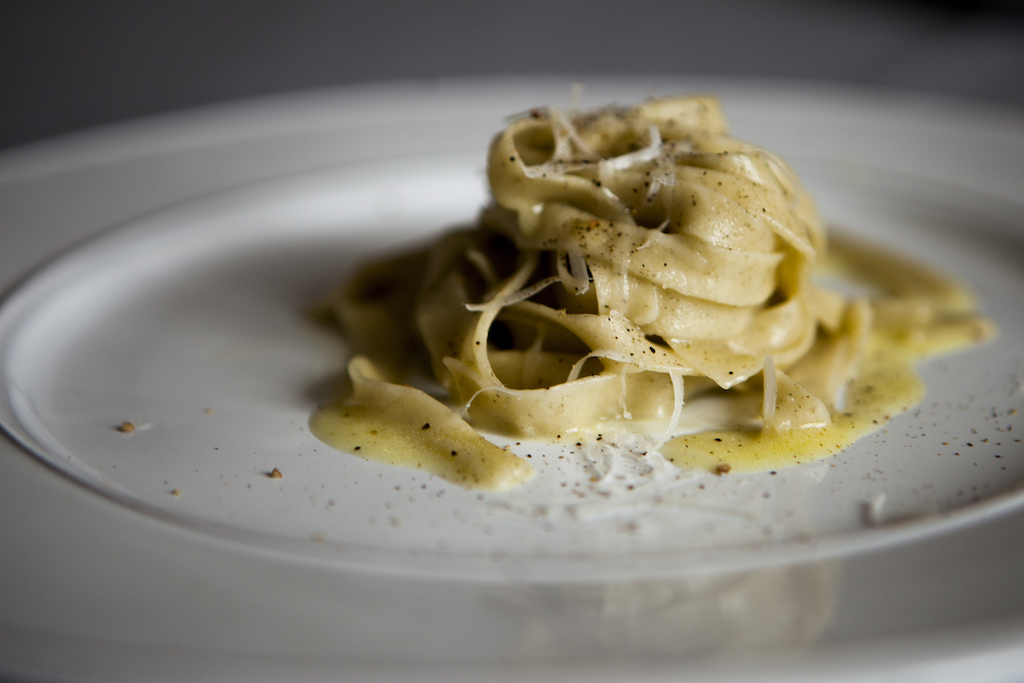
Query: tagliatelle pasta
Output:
(639,269)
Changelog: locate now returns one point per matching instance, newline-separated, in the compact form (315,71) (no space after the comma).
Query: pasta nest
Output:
(632,259)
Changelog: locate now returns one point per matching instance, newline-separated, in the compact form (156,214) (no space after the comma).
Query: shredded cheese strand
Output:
(771,391)
(514,297)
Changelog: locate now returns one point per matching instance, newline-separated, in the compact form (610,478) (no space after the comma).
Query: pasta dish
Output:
(639,270)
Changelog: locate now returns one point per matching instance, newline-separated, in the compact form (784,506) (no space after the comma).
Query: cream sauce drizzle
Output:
(886,385)
(411,429)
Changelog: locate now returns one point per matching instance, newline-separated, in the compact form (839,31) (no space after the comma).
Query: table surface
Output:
(68,66)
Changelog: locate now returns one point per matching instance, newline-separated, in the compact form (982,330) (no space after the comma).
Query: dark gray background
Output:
(65,66)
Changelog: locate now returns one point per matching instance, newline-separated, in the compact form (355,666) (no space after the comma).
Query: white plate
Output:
(188,322)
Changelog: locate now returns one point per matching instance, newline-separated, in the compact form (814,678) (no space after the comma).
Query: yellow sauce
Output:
(410,429)
(886,386)
(419,433)
(403,426)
